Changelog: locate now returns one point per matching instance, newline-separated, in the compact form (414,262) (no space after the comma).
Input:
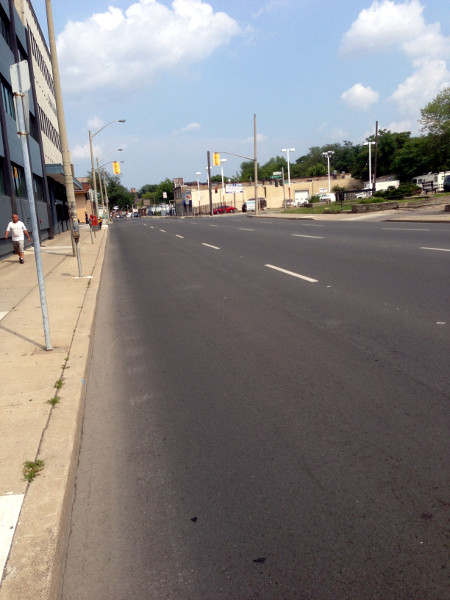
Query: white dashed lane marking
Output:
(437,249)
(314,237)
(292,274)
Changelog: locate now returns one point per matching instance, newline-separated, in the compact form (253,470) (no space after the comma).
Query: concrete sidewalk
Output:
(34,516)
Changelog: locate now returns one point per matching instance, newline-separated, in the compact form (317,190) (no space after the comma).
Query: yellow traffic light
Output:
(116,168)
(216,159)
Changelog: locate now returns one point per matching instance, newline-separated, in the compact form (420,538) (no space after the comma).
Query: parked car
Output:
(447,183)
(224,209)
(250,204)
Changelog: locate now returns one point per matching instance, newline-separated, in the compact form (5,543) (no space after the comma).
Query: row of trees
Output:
(398,154)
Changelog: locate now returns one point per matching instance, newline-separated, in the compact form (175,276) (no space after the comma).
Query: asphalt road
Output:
(257,433)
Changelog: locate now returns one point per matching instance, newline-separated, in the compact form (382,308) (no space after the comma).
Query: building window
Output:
(2,177)
(33,128)
(38,189)
(7,98)
(5,26)
(20,188)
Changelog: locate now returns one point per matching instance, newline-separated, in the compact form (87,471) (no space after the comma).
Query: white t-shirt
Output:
(16,230)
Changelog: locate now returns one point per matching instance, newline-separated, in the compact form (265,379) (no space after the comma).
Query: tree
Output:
(273,164)
(389,144)
(147,188)
(413,159)
(248,171)
(164,186)
(436,114)
(118,194)
(317,170)
(436,121)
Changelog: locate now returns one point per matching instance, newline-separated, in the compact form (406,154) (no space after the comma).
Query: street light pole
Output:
(198,173)
(287,150)
(256,165)
(370,162)
(328,154)
(94,178)
(222,160)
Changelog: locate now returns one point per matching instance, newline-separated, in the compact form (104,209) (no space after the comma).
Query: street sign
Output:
(234,188)
(20,77)
(276,175)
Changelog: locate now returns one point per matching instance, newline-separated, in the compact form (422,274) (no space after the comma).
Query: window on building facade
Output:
(2,177)
(20,188)
(38,188)
(5,26)
(7,98)
(33,128)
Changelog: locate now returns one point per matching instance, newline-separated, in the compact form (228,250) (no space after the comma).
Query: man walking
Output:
(17,229)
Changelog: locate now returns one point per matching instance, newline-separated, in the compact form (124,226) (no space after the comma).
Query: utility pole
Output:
(66,158)
(256,165)
(374,185)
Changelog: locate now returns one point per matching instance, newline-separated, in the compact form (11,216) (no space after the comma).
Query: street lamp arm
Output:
(115,121)
(106,155)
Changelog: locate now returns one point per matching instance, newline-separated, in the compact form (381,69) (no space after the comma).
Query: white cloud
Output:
(122,49)
(80,152)
(190,127)
(422,86)
(271,7)
(384,24)
(398,126)
(95,123)
(390,25)
(260,138)
(360,97)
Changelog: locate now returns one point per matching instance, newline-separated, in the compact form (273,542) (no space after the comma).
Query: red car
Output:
(224,209)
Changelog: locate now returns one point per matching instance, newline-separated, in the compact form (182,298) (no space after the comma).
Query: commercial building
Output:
(47,116)
(21,39)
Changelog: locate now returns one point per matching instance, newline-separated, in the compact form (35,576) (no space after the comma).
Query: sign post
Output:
(20,81)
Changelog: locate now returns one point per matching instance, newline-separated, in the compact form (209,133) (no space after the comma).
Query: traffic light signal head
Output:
(116,168)
(216,159)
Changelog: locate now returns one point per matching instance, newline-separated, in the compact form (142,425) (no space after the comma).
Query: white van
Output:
(250,204)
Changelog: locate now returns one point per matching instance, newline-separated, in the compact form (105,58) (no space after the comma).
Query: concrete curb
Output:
(35,566)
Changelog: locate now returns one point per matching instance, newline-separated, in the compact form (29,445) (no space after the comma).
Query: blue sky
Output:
(188,76)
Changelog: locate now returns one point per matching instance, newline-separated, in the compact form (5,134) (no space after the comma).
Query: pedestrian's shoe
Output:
(21,261)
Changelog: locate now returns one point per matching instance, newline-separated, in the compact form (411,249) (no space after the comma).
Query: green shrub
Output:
(392,193)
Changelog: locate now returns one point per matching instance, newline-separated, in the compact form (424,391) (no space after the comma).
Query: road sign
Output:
(234,188)
(276,175)
(20,77)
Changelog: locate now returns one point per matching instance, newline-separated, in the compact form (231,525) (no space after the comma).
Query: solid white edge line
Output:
(292,274)
(314,237)
(209,246)
(438,249)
